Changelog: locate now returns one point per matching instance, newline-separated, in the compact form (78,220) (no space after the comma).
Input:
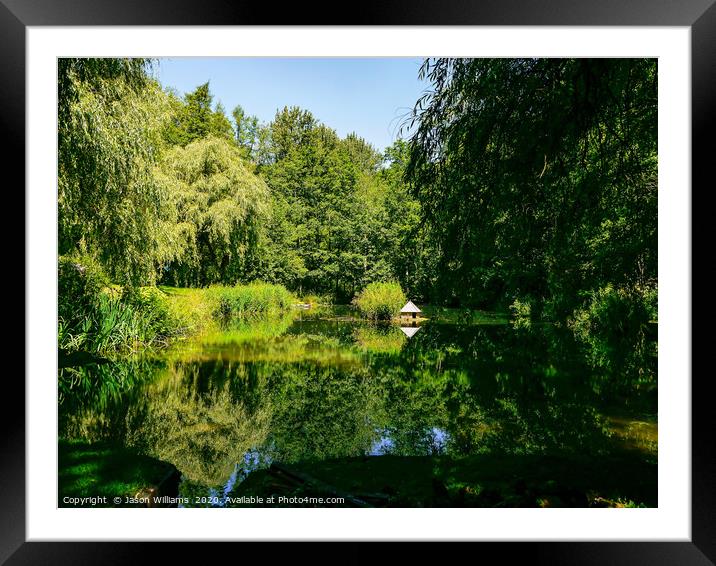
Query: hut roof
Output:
(410,307)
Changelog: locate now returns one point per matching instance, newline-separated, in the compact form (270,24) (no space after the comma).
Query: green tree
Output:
(346,221)
(246,130)
(313,176)
(193,118)
(220,125)
(409,245)
(221,211)
(537,177)
(291,128)
(110,115)
(362,154)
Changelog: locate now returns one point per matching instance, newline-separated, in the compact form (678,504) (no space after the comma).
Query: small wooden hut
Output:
(410,310)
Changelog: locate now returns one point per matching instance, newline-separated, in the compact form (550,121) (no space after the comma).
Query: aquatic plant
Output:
(254,298)
(97,318)
(381,301)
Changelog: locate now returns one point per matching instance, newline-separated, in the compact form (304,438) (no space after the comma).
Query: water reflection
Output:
(435,442)
(410,331)
(324,387)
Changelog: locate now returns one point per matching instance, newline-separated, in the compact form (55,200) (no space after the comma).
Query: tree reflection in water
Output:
(323,388)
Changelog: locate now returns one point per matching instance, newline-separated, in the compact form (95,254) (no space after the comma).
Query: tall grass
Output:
(252,299)
(381,301)
(190,307)
(116,324)
(100,319)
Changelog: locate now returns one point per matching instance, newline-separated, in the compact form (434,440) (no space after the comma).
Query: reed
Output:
(381,301)
(252,299)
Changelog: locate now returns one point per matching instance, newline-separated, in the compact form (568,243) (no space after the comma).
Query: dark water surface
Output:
(314,386)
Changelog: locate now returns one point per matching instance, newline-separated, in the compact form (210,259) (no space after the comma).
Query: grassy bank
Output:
(102,470)
(98,318)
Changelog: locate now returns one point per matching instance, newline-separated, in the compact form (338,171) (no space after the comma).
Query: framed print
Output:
(411,277)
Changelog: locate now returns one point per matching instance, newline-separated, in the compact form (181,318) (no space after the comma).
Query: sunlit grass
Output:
(251,299)
(87,470)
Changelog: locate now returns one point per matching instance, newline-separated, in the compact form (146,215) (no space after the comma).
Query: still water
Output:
(313,386)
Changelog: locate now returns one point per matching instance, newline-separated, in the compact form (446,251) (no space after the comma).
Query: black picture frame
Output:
(699,15)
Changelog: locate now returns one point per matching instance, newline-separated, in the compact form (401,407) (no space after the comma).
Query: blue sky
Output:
(368,96)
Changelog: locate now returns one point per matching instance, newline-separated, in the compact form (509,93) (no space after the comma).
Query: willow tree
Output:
(110,114)
(221,208)
(538,176)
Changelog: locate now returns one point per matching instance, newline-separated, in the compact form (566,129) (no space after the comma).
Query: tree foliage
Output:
(220,205)
(109,202)
(193,119)
(538,176)
(346,216)
(527,181)
(246,130)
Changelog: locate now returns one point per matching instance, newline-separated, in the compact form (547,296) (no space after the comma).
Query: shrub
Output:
(191,308)
(614,327)
(614,311)
(521,313)
(153,304)
(254,298)
(381,301)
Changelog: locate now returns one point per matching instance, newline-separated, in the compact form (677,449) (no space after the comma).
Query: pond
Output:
(315,387)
